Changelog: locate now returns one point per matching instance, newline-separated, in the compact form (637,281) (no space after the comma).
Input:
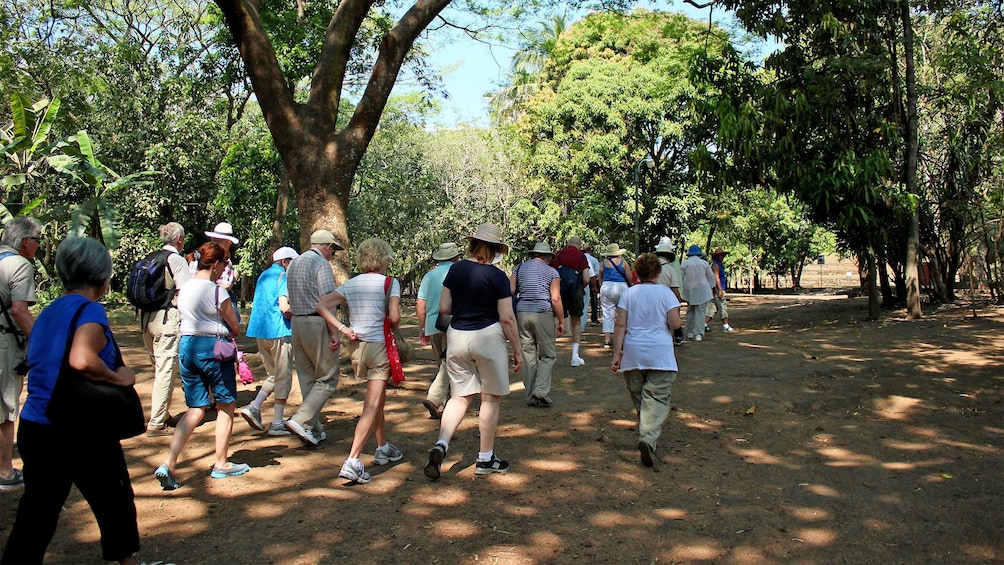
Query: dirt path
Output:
(808,436)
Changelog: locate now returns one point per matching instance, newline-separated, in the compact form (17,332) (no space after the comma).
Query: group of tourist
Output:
(470,312)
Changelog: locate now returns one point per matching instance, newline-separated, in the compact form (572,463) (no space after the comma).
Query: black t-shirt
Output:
(476,290)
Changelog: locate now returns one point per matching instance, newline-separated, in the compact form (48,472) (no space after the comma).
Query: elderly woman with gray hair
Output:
(55,460)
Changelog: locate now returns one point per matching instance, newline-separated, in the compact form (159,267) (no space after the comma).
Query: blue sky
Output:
(471,68)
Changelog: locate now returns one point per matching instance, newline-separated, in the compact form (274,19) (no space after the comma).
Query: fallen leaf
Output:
(751,410)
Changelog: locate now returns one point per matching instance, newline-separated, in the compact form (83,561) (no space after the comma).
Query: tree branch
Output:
(274,96)
(329,74)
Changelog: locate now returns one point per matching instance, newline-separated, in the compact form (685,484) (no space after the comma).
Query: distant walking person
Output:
(18,245)
(615,278)
(670,278)
(718,294)
(698,280)
(427,307)
(537,288)
(591,294)
(479,297)
(162,330)
(269,324)
(573,267)
(647,315)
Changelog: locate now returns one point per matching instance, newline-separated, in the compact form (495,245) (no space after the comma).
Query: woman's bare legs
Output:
(224,430)
(183,432)
(372,418)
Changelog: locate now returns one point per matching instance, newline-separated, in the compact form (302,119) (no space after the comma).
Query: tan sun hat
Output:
(223,230)
(325,237)
(541,248)
(613,250)
(284,253)
(664,249)
(446,251)
(489,233)
(719,251)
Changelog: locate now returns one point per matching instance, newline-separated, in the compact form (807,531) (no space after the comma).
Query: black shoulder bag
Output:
(80,403)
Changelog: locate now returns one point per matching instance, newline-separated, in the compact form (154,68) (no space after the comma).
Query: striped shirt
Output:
(308,278)
(533,286)
(368,304)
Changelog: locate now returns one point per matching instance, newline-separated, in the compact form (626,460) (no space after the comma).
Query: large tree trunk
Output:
(910,173)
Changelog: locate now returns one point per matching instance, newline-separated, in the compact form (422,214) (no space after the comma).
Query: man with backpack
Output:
(153,288)
(18,245)
(574,272)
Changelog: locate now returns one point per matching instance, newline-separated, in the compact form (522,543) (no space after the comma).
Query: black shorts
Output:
(573,304)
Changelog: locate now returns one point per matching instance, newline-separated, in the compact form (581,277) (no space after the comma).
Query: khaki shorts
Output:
(477,361)
(11,383)
(370,361)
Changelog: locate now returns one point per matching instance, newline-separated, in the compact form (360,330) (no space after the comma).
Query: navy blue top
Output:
(47,345)
(476,290)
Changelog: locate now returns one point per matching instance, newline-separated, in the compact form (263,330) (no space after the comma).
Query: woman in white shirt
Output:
(647,315)
(207,314)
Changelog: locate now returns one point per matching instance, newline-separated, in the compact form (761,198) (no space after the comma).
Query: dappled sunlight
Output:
(624,423)
(609,519)
(987,449)
(806,514)
(840,457)
(816,536)
(821,490)
(553,466)
(722,399)
(671,513)
(906,445)
(896,407)
(453,528)
(751,345)
(522,511)
(762,457)
(697,552)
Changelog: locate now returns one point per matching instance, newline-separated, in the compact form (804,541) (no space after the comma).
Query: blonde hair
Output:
(372,255)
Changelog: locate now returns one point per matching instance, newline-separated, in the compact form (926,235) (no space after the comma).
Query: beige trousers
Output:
(161,335)
(316,368)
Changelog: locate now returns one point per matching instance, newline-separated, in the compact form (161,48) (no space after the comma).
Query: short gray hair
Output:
(170,232)
(19,228)
(83,262)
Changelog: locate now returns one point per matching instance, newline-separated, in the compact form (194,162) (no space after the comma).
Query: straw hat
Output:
(446,251)
(223,230)
(541,248)
(694,250)
(613,250)
(663,249)
(719,251)
(489,233)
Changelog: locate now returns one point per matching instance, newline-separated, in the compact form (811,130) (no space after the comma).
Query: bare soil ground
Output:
(810,435)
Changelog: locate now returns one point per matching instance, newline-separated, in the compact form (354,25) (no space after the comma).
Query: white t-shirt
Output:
(199,308)
(368,304)
(648,342)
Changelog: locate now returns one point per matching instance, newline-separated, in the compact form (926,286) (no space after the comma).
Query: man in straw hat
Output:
(538,288)
(427,306)
(270,326)
(317,333)
(698,280)
(573,268)
(718,293)
(669,277)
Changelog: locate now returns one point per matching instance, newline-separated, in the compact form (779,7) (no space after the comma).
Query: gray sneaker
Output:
(355,473)
(15,480)
(305,434)
(252,416)
(278,428)
(392,454)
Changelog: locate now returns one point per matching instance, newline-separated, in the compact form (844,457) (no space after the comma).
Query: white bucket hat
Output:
(223,230)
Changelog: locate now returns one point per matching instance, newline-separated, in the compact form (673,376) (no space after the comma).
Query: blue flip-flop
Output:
(235,470)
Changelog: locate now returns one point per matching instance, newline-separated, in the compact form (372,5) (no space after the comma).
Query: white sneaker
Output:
(727,328)
(578,361)
(698,337)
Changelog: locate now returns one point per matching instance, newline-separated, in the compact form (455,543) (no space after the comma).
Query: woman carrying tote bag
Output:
(206,318)
(58,453)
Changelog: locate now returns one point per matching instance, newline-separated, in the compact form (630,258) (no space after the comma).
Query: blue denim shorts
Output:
(201,373)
